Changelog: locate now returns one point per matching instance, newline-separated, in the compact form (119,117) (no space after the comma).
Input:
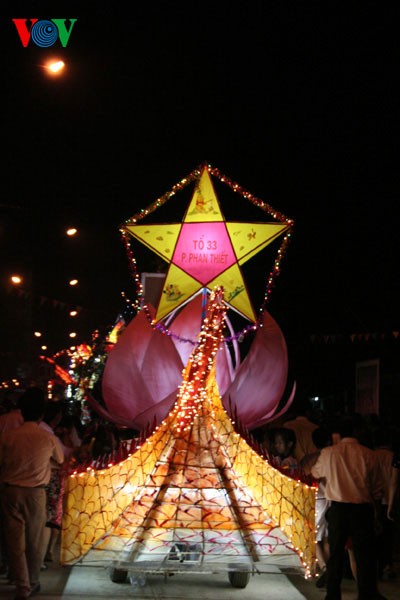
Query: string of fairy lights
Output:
(192,391)
(192,402)
(140,305)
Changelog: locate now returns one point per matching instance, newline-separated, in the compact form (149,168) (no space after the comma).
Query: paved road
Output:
(94,583)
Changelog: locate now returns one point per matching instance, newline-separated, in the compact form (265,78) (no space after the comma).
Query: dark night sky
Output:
(297,102)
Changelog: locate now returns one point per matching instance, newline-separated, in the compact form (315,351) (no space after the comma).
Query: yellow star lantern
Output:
(205,251)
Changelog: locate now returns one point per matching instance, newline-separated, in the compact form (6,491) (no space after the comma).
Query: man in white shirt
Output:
(25,456)
(354,488)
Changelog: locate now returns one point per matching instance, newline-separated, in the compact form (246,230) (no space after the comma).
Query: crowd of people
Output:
(39,441)
(355,467)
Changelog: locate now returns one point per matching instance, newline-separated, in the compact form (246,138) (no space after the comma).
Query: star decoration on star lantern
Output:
(205,251)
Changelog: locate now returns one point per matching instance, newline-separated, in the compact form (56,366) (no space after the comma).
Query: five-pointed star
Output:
(205,251)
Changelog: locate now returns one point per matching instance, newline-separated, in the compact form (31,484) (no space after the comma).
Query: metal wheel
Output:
(118,575)
(239,579)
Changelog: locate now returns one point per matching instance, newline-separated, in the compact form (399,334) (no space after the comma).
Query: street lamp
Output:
(55,67)
(16,279)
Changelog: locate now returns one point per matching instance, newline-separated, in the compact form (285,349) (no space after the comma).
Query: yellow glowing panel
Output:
(249,238)
(178,288)
(194,486)
(161,238)
(204,205)
(235,291)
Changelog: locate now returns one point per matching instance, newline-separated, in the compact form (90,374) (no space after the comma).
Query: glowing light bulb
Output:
(55,67)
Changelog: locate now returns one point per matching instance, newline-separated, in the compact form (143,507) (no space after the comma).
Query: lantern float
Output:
(193,494)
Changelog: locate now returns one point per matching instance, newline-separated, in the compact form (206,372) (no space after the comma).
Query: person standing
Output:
(25,462)
(303,427)
(322,438)
(11,418)
(354,488)
(394,485)
(385,539)
(55,489)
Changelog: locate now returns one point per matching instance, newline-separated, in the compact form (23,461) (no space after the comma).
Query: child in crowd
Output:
(284,443)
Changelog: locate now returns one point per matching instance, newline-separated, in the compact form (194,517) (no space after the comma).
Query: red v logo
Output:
(23,32)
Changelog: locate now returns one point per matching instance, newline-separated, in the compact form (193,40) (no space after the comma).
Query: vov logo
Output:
(44,32)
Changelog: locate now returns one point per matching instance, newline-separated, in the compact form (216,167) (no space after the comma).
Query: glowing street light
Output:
(55,67)
(71,231)
(73,282)
(16,279)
